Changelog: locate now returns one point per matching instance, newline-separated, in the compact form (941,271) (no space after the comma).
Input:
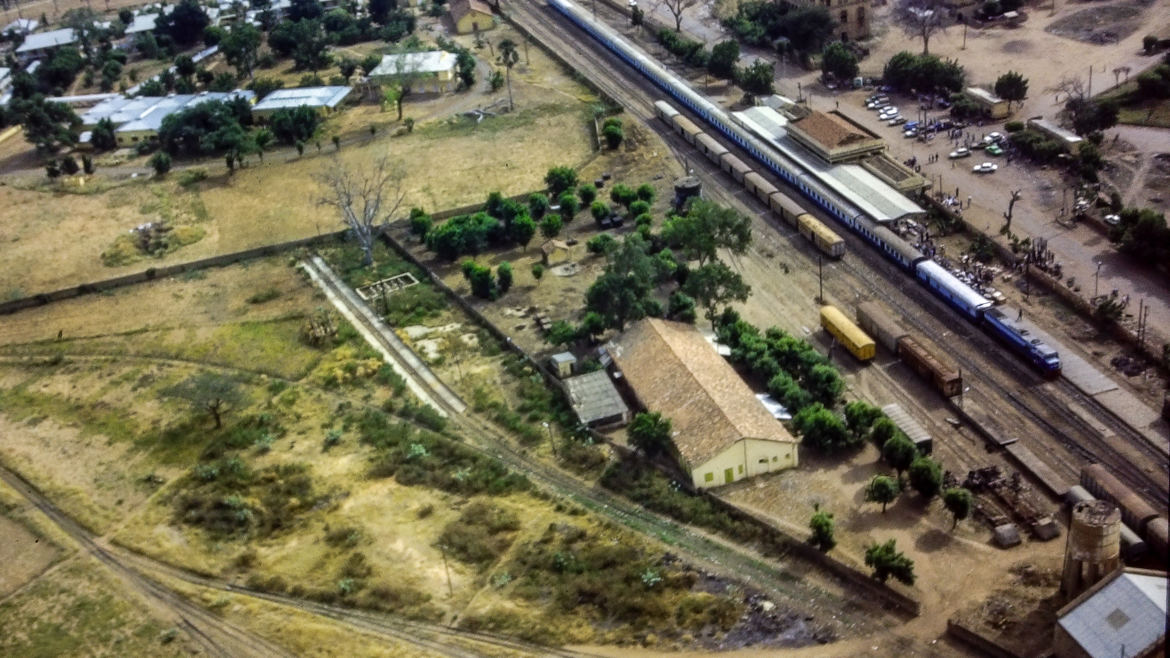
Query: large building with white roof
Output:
(43,43)
(323,100)
(437,66)
(1123,615)
(139,119)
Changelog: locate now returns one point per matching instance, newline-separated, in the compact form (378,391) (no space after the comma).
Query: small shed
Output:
(596,400)
(471,16)
(910,427)
(562,363)
(555,252)
(996,107)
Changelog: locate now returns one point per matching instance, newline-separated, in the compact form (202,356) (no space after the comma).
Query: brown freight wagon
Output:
(946,380)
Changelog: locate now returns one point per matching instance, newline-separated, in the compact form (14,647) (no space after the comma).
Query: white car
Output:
(985,168)
(888,113)
(897,120)
(961,152)
(996,137)
(1113,220)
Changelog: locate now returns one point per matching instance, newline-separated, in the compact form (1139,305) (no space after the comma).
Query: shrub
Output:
(481,534)
(1013,126)
(161,163)
(587,192)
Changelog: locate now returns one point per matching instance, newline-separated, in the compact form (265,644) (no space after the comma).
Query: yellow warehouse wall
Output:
(743,458)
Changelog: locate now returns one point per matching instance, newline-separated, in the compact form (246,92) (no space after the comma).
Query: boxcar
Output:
(759,186)
(874,320)
(709,147)
(665,111)
(822,236)
(946,380)
(734,166)
(685,127)
(1135,511)
(847,333)
(786,207)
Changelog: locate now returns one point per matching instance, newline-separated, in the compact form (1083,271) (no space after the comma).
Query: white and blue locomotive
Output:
(974,306)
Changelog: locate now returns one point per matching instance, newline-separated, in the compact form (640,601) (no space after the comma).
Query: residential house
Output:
(471,16)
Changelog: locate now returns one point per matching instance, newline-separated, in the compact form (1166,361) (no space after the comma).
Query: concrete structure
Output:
(139,119)
(323,100)
(996,107)
(852,16)
(834,138)
(596,400)
(43,43)
(1068,138)
(437,66)
(722,434)
(562,363)
(1123,615)
(470,16)
(1093,550)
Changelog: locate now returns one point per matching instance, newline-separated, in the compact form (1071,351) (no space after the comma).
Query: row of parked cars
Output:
(992,143)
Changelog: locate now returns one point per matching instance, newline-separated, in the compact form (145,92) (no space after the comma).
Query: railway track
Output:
(1035,409)
(785,579)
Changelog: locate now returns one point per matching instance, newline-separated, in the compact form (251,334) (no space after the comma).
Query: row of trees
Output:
(909,73)
(803,29)
(722,62)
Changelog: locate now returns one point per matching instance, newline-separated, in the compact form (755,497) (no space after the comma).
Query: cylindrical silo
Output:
(1094,545)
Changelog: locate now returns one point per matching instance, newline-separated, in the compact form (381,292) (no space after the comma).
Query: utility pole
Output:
(443,552)
(821,279)
(1095,277)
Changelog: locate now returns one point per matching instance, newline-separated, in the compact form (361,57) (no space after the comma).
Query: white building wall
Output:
(745,458)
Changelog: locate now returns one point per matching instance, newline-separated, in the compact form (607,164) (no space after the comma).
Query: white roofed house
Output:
(436,67)
(21,26)
(721,431)
(324,100)
(42,43)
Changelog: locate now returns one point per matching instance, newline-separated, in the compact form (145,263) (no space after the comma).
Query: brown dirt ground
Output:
(23,554)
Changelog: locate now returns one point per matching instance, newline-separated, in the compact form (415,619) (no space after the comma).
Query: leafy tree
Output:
(560,179)
(69,165)
(504,277)
(240,47)
(209,128)
(1089,116)
(537,205)
(263,138)
(613,135)
(823,383)
(821,429)
(886,560)
(1144,235)
(126,16)
(305,41)
(650,433)
(370,62)
(521,230)
(623,194)
(587,193)
(483,285)
(508,56)
(600,210)
(882,489)
(788,392)
(882,431)
(921,19)
(860,417)
(185,66)
(561,332)
(757,78)
(551,225)
(713,285)
(623,292)
(305,9)
(210,392)
(102,136)
(838,61)
(420,223)
(59,71)
(48,125)
(724,59)
(213,35)
(899,452)
(87,164)
(294,125)
(224,82)
(646,193)
(706,228)
(1012,87)
(465,68)
(821,525)
(569,206)
(161,163)
(184,24)
(959,503)
(681,307)
(537,271)
(925,476)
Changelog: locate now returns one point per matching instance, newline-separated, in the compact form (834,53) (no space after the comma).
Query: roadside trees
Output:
(882,489)
(899,452)
(886,560)
(209,392)
(958,502)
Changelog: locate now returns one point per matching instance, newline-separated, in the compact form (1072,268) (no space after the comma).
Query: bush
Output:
(1013,126)
(600,210)
(587,192)
(481,534)
(925,476)
(161,163)
(560,179)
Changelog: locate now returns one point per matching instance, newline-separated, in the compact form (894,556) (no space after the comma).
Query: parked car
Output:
(897,121)
(877,105)
(888,112)
(910,125)
(994,149)
(996,137)
(985,168)
(910,134)
(1112,220)
(961,152)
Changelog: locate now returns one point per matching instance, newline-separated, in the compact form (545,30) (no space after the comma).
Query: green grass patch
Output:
(460,126)
(92,416)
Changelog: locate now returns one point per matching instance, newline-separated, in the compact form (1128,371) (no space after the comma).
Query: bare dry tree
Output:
(676,9)
(921,19)
(366,198)
(1071,86)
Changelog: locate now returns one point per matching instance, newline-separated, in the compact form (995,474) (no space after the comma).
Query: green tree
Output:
(824,384)
(370,62)
(305,9)
(210,392)
(650,433)
(537,205)
(713,285)
(185,66)
(821,525)
(508,56)
(706,228)
(504,277)
(420,223)
(613,135)
(240,46)
(886,560)
(882,431)
(550,226)
(681,307)
(838,61)
(959,503)
(623,194)
(304,41)
(587,193)
(882,489)
(521,230)
(569,206)
(561,332)
(537,271)
(646,193)
(294,125)
(380,10)
(1012,87)
(899,452)
(560,179)
(465,68)
(483,285)
(48,125)
(161,163)
(600,210)
(757,78)
(724,59)
(860,416)
(821,429)
(184,24)
(925,476)
(623,292)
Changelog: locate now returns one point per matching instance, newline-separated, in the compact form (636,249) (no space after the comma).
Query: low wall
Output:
(162,272)
(985,645)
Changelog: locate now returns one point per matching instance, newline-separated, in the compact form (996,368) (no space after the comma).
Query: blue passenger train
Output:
(972,305)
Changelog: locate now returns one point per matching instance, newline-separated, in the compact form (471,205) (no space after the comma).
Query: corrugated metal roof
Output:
(148,112)
(51,39)
(906,423)
(431,61)
(1128,612)
(594,397)
(310,96)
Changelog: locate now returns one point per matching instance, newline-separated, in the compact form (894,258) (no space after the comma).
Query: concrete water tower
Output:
(1093,550)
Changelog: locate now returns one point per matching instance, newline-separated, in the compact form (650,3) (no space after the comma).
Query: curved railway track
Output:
(1035,408)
